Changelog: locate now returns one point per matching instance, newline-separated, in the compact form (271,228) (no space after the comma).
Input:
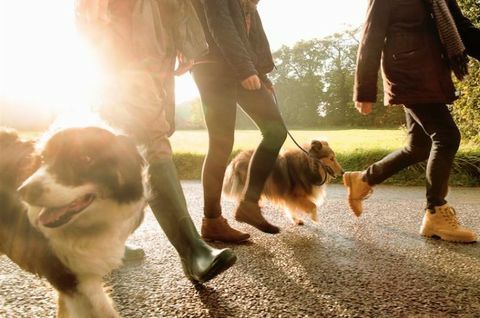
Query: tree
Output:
(467,108)
(314,80)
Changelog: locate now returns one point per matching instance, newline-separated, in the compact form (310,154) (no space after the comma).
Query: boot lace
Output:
(450,216)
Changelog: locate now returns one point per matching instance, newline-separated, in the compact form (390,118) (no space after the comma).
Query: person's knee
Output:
(275,135)
(220,143)
(448,140)
(419,152)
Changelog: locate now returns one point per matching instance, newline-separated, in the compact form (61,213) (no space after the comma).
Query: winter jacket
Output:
(401,34)
(224,24)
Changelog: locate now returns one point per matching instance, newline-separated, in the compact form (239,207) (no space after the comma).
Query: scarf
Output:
(450,38)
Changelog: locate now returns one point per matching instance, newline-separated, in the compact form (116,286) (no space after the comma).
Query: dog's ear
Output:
(316,147)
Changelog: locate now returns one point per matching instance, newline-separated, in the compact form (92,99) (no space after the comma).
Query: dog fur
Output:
(79,199)
(297,183)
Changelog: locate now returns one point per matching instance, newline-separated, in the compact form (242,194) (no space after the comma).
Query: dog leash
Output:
(325,169)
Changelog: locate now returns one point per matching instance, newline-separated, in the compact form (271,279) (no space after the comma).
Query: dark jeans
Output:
(220,92)
(433,136)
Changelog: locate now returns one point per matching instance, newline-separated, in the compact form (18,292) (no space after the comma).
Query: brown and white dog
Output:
(79,200)
(297,183)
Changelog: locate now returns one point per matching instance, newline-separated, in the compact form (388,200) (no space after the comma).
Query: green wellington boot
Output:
(200,261)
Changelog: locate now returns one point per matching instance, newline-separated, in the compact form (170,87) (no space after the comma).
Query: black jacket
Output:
(402,35)
(224,24)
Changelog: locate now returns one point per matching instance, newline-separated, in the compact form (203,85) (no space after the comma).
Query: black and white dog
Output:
(85,194)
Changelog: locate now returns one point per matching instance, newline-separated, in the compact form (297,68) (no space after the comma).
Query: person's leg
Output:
(437,122)
(440,218)
(260,106)
(200,261)
(138,109)
(218,93)
(416,149)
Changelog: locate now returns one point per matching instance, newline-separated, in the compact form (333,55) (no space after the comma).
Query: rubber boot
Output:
(200,261)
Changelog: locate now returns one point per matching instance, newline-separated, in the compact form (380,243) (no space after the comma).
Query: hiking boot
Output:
(218,229)
(250,212)
(442,221)
(358,190)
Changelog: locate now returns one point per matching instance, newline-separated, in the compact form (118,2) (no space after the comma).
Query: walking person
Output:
(234,71)
(138,41)
(420,43)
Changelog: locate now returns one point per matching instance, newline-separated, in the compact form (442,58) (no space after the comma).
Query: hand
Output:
(92,11)
(252,83)
(364,108)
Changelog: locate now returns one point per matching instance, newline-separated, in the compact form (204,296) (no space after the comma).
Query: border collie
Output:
(80,197)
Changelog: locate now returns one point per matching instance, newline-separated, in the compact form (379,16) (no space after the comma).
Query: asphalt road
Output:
(375,266)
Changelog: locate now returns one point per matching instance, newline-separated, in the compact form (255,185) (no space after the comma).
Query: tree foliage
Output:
(314,81)
(467,108)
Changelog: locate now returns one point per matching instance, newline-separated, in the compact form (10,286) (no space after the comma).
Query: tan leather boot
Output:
(358,190)
(218,229)
(250,212)
(442,222)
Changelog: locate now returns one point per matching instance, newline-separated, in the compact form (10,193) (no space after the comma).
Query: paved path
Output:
(375,266)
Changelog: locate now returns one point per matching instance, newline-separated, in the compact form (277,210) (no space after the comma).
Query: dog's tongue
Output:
(50,216)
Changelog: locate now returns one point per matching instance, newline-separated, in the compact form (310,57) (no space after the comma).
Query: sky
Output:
(42,59)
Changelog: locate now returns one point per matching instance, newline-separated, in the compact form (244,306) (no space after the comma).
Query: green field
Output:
(342,141)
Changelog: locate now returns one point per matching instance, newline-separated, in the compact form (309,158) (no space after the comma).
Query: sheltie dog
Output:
(78,199)
(297,182)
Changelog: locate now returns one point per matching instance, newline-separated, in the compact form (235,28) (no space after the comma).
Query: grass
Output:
(342,141)
(355,149)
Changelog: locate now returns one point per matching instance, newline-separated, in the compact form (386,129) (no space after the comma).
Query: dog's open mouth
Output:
(58,216)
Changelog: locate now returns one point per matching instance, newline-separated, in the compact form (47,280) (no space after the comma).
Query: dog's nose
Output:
(31,192)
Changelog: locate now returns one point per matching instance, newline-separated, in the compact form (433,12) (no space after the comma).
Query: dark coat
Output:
(225,28)
(402,34)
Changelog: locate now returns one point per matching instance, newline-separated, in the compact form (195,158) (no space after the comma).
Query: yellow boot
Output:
(358,190)
(442,222)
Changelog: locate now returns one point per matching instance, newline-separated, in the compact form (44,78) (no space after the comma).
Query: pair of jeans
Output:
(432,136)
(220,92)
